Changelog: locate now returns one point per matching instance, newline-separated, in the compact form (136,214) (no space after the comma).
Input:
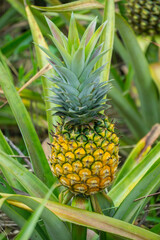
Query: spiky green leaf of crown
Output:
(78,92)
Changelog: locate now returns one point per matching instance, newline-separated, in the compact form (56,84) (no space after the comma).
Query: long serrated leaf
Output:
(19,216)
(124,187)
(150,183)
(28,228)
(35,151)
(29,181)
(55,227)
(139,152)
(88,219)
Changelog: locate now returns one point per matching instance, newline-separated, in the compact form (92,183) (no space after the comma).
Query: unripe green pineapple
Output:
(85,148)
(144,16)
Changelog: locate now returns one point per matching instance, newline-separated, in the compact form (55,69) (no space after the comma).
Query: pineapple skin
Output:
(144,16)
(85,157)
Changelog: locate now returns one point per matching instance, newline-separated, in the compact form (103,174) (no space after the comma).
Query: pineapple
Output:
(144,16)
(84,154)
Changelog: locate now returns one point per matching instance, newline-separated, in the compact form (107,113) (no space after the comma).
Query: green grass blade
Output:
(89,219)
(124,187)
(37,156)
(29,181)
(150,183)
(144,83)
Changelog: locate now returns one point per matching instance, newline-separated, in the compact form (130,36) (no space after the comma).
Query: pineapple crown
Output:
(78,93)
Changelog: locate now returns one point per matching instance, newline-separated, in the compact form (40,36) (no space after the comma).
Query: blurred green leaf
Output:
(121,50)
(155,73)
(143,80)
(128,112)
(18,5)
(3,236)
(73,6)
(6,17)
(156,229)
(10,47)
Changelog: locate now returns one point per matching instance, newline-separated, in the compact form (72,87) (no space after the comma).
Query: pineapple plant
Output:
(21,188)
(84,153)
(143,16)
